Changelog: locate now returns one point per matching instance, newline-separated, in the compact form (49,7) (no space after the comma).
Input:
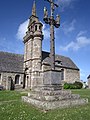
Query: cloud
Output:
(81,33)
(22,30)
(68,27)
(46,32)
(64,3)
(80,42)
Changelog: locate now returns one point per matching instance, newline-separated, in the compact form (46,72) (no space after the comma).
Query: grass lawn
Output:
(12,108)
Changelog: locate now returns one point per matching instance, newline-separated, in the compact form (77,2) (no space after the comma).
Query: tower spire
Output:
(34,8)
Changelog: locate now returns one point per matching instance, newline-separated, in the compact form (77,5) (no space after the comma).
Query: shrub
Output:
(66,86)
(79,85)
(75,85)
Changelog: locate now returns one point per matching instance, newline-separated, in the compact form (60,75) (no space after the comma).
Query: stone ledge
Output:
(49,96)
(50,92)
(48,105)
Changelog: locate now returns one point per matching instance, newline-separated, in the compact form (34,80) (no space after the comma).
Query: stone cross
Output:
(52,22)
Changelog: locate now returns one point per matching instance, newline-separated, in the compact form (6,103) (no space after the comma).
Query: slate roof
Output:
(66,62)
(10,62)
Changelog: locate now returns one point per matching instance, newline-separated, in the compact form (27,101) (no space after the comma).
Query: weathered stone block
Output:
(52,77)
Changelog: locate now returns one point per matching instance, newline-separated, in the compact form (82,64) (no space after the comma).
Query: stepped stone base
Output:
(51,99)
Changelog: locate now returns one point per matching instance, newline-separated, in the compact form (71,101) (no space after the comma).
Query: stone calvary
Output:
(44,72)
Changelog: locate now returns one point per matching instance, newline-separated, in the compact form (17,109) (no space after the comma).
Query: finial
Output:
(34,8)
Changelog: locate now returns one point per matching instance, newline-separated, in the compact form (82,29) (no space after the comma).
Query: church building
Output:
(28,70)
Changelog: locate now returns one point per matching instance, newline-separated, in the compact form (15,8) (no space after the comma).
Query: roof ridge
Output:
(61,55)
(11,53)
(56,54)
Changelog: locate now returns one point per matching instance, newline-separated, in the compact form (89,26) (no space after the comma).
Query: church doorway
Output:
(10,83)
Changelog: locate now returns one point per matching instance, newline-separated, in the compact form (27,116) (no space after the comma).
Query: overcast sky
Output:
(72,39)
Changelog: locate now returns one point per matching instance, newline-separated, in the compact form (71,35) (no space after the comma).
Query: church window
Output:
(31,27)
(28,29)
(17,77)
(35,27)
(39,27)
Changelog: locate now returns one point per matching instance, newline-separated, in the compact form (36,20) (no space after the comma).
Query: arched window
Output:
(35,27)
(17,77)
(40,28)
(28,29)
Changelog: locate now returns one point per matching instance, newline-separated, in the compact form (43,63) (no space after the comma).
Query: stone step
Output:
(53,87)
(51,92)
(53,97)
(46,105)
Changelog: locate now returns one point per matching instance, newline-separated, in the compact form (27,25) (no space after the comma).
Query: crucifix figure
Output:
(52,22)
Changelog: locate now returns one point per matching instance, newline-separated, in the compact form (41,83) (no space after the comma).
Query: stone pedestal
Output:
(50,95)
(52,80)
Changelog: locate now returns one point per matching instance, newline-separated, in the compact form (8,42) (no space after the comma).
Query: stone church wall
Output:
(5,76)
(72,75)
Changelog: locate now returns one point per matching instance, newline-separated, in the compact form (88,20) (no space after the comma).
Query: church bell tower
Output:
(33,51)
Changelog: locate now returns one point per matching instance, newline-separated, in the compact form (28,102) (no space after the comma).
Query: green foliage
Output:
(75,85)
(66,86)
(79,85)
(18,110)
